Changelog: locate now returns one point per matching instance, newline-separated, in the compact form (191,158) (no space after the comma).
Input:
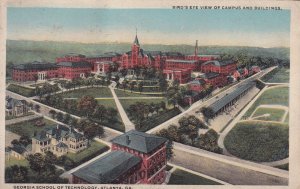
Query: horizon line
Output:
(178,44)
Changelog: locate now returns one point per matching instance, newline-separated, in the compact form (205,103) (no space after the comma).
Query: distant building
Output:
(182,75)
(72,70)
(221,67)
(59,140)
(214,79)
(15,107)
(136,158)
(34,71)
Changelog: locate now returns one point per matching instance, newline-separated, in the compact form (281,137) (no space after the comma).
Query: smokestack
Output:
(127,140)
(196,49)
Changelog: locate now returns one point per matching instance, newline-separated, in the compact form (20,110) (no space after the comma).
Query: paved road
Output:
(127,123)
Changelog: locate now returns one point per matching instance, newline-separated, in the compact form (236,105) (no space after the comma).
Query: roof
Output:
(41,136)
(61,145)
(35,66)
(108,168)
(182,61)
(74,64)
(18,148)
(139,141)
(105,55)
(11,102)
(209,75)
(172,54)
(61,131)
(136,41)
(219,104)
(219,63)
(197,82)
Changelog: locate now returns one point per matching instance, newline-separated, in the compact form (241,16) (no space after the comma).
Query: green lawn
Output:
(281,75)
(273,96)
(287,118)
(258,141)
(28,128)
(21,90)
(97,92)
(14,161)
(13,117)
(284,167)
(93,150)
(127,102)
(169,167)
(180,177)
(109,103)
(275,114)
(122,93)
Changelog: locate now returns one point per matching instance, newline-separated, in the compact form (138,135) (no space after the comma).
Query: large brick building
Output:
(34,71)
(136,158)
(71,70)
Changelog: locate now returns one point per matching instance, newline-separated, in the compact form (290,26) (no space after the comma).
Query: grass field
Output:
(287,118)
(273,96)
(14,161)
(28,128)
(109,103)
(180,177)
(13,117)
(127,102)
(96,92)
(284,167)
(281,75)
(94,148)
(258,141)
(122,93)
(275,114)
(21,90)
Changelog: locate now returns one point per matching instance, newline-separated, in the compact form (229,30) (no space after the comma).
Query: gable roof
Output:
(182,61)
(108,168)
(219,63)
(35,66)
(11,102)
(209,75)
(197,82)
(139,141)
(74,64)
(61,131)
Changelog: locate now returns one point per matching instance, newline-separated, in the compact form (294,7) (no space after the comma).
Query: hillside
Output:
(27,51)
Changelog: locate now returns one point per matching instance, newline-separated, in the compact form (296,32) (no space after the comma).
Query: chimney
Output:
(196,49)
(127,140)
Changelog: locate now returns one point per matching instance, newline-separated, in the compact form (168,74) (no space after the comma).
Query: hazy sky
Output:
(155,26)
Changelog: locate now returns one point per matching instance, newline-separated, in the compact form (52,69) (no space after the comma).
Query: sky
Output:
(154,26)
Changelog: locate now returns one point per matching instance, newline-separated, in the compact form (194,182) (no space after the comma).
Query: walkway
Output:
(127,123)
(111,98)
(22,119)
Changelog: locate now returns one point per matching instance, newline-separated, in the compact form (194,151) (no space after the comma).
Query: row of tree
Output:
(42,170)
(187,133)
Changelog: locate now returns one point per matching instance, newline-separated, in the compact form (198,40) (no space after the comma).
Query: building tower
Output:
(135,49)
(196,50)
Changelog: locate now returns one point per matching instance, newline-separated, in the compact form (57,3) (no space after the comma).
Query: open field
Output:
(273,96)
(122,93)
(280,75)
(274,114)
(127,102)
(28,128)
(14,161)
(108,103)
(93,150)
(181,177)
(96,92)
(258,141)
(21,90)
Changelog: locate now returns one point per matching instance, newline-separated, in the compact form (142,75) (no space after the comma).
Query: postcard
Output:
(162,94)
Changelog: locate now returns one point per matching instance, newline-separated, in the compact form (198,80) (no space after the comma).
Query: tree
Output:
(60,116)
(207,112)
(37,162)
(140,86)
(209,141)
(52,113)
(87,105)
(16,174)
(37,108)
(67,118)
(196,122)
(50,158)
(100,112)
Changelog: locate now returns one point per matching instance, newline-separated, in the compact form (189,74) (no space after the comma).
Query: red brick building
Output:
(214,79)
(182,64)
(222,67)
(71,57)
(71,70)
(182,75)
(196,85)
(136,158)
(34,71)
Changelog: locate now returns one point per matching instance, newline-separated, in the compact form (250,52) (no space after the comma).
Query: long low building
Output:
(229,99)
